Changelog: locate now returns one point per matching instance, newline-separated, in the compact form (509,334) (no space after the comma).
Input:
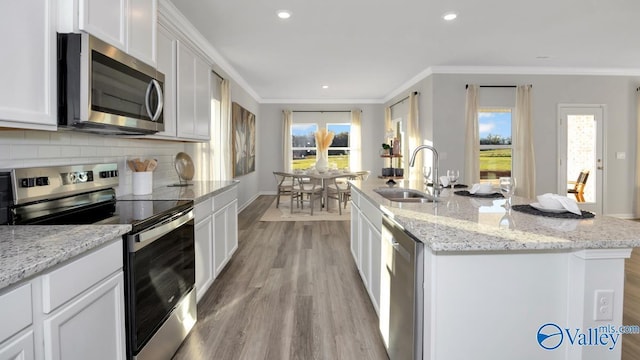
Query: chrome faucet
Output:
(436,180)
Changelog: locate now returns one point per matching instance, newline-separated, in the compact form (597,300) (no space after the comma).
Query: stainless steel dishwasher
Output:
(401,300)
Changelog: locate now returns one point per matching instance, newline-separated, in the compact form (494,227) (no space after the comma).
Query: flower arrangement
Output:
(323,141)
(324,138)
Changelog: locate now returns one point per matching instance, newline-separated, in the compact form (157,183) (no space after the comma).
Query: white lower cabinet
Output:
(204,253)
(91,326)
(366,243)
(20,348)
(216,233)
(75,311)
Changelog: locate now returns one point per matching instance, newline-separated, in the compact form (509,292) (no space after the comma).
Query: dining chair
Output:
(284,183)
(339,190)
(578,185)
(308,185)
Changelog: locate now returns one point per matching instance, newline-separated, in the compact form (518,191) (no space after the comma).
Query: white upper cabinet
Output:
(143,19)
(167,65)
(129,25)
(28,64)
(193,95)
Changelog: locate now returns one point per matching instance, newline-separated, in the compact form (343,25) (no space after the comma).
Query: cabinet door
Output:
(365,252)
(167,65)
(204,256)
(219,240)
(376,269)
(104,19)
(186,92)
(90,326)
(142,30)
(28,64)
(355,234)
(22,348)
(232,229)
(202,99)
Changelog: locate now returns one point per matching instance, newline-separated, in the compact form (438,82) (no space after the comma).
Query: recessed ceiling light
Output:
(325,86)
(449,16)
(284,14)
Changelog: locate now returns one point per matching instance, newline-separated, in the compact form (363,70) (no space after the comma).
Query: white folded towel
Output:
(444,180)
(555,201)
(480,188)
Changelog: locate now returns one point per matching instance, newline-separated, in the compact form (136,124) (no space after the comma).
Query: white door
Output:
(580,149)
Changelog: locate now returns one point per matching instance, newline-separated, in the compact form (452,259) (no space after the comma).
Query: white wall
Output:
(270,147)
(616,92)
(27,148)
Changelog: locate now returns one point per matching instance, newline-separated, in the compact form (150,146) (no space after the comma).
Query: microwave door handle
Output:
(155,115)
(160,105)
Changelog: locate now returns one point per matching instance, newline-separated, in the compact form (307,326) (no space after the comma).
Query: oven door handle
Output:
(147,237)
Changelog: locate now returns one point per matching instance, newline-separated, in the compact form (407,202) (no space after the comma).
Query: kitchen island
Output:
(502,284)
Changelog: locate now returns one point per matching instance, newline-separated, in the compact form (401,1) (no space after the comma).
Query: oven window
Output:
(163,272)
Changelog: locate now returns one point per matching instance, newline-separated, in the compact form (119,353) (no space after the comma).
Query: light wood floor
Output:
(291,291)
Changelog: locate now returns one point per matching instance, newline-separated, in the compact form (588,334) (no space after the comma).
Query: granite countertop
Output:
(26,250)
(461,223)
(197,191)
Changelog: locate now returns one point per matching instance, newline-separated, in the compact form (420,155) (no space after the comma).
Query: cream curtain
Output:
(355,139)
(287,116)
(387,122)
(225,168)
(413,135)
(524,170)
(472,137)
(637,187)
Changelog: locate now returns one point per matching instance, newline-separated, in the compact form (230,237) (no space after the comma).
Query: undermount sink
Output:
(405,195)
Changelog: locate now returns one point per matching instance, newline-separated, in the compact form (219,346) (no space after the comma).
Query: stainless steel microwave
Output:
(103,90)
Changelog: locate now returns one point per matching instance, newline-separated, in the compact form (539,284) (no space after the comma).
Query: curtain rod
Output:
(321,111)
(495,86)
(216,74)
(403,99)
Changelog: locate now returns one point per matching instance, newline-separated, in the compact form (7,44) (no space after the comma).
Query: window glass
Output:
(303,145)
(494,127)
(339,148)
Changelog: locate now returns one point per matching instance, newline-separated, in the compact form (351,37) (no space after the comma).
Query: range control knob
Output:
(27,182)
(42,181)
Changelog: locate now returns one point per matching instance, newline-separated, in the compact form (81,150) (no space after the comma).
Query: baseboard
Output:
(243,206)
(623,216)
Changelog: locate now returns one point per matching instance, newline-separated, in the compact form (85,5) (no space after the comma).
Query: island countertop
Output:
(26,250)
(462,223)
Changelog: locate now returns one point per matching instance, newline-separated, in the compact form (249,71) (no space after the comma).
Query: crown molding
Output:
(170,17)
(407,84)
(534,70)
(322,101)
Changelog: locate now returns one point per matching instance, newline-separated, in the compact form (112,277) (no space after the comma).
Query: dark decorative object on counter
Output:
(565,215)
(398,172)
(494,195)
(387,172)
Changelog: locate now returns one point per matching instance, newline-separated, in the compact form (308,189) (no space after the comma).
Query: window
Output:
(339,148)
(303,145)
(494,127)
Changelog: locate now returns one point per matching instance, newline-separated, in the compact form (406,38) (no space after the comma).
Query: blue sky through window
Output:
(303,129)
(494,123)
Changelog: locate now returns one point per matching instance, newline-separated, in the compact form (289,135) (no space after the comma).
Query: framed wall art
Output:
(243,126)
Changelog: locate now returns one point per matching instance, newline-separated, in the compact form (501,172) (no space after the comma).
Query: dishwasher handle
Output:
(398,247)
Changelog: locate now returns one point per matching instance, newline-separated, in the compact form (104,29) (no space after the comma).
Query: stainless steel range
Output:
(159,252)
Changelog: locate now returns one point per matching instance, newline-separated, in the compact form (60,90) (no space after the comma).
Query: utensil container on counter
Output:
(142,182)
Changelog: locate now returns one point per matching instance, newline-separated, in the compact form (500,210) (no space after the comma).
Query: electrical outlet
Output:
(603,306)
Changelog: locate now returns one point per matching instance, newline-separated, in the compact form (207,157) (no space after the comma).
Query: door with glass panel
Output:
(580,151)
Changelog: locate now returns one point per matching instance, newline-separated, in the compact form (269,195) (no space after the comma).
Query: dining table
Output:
(325,178)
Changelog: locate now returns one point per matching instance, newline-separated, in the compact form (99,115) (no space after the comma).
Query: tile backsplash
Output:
(29,148)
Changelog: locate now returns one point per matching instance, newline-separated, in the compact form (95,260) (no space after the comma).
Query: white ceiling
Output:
(365,50)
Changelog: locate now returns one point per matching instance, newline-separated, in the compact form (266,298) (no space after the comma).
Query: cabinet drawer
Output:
(15,311)
(355,197)
(202,210)
(61,285)
(221,200)
(372,212)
